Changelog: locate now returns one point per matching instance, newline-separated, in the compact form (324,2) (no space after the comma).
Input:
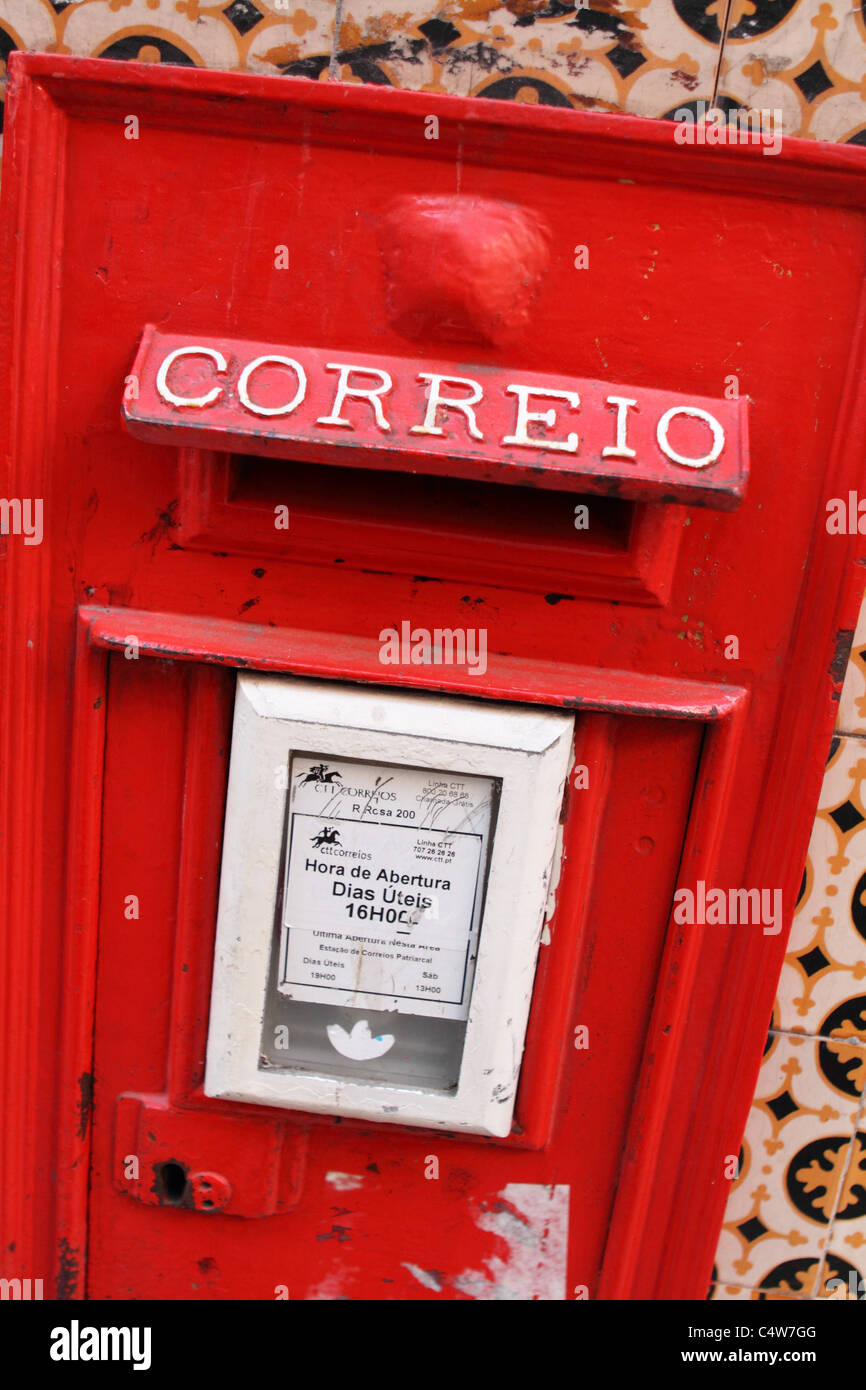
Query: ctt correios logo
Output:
(319,773)
(328,835)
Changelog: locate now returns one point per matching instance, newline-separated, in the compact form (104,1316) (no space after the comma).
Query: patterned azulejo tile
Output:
(805,58)
(268,36)
(846,1243)
(261,35)
(822,990)
(799,1166)
(644,57)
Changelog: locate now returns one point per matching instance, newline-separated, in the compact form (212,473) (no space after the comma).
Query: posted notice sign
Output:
(384,885)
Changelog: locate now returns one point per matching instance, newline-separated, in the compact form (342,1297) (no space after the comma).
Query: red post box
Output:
(431,551)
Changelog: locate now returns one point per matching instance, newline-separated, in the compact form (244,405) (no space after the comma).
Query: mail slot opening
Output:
(451,510)
(559,543)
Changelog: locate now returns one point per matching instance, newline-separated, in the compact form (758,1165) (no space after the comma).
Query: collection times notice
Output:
(384,882)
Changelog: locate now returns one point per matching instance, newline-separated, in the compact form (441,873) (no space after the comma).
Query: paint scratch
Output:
(428,1278)
(344,1182)
(531,1219)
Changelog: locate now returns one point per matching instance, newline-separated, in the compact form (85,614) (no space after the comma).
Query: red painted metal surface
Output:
(161,574)
(149,1132)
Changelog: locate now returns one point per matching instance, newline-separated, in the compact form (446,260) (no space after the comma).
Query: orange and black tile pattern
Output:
(803,58)
(795,1225)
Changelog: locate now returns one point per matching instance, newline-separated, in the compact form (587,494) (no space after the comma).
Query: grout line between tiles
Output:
(756,1288)
(717,77)
(831,1226)
(333,64)
(816,1037)
(850,733)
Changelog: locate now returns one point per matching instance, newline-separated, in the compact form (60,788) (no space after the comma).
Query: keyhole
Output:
(171,1183)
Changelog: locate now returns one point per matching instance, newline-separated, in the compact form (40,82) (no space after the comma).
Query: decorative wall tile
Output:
(822,992)
(644,58)
(810,65)
(255,34)
(799,1166)
(822,989)
(728,1292)
(269,36)
(805,58)
(775,57)
(148,31)
(846,1241)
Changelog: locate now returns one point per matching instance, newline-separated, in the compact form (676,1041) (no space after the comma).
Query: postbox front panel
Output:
(311,403)
(342,1208)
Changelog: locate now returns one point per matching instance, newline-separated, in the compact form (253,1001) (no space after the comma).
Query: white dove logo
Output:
(359,1044)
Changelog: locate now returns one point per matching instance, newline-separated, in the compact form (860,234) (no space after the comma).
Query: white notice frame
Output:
(527,748)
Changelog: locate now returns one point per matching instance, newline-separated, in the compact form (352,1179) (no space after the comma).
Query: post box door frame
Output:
(658,1248)
(663,1134)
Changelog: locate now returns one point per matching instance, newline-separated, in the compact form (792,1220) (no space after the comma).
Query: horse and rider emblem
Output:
(319,773)
(328,835)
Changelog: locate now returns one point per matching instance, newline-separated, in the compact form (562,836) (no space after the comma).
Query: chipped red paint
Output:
(161,574)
